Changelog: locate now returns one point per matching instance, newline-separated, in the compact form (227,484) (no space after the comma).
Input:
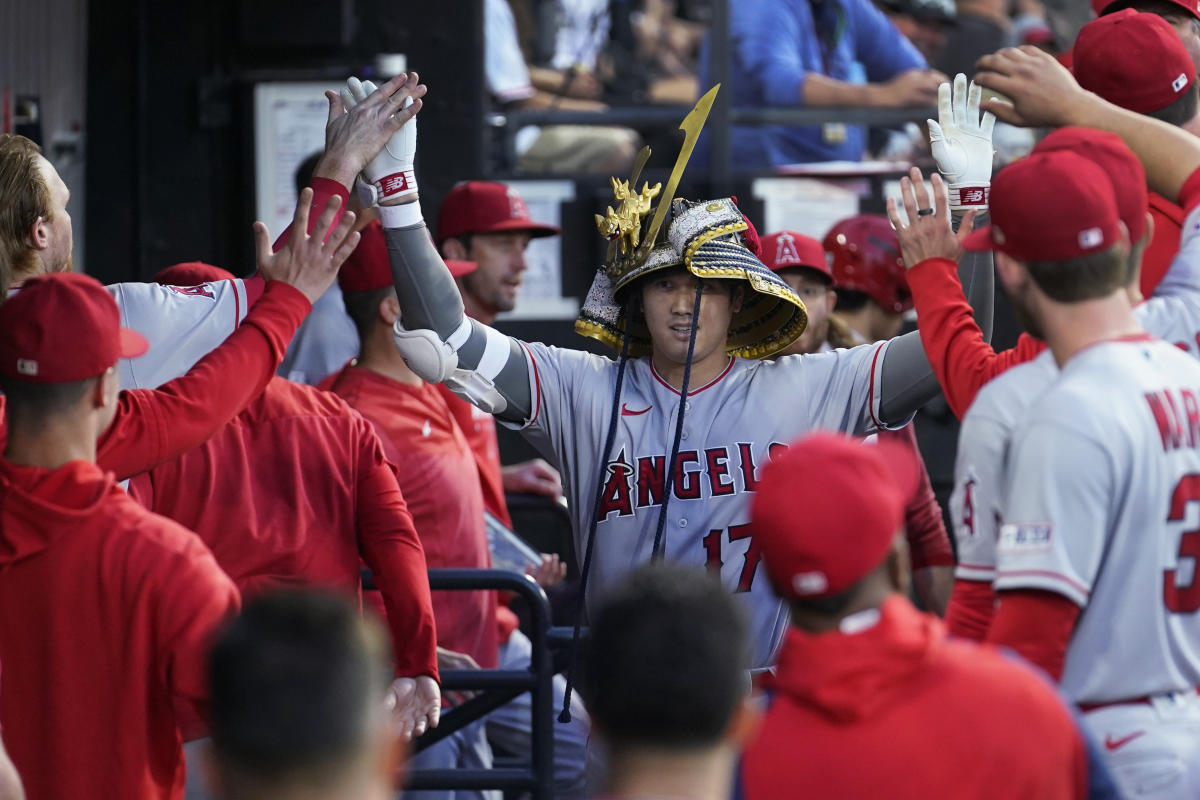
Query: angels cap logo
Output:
(1091,237)
(785,250)
(516,205)
(1180,82)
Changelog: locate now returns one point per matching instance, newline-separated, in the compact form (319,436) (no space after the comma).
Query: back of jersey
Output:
(1104,508)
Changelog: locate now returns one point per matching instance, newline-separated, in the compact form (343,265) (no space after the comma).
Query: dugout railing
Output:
(494,688)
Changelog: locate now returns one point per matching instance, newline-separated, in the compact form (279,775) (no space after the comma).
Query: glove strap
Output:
(398,184)
(965,196)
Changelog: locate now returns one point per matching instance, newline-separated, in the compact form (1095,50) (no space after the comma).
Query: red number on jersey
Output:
(1184,599)
(712,547)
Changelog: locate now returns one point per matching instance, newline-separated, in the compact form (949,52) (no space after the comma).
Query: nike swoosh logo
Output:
(1111,744)
(626,412)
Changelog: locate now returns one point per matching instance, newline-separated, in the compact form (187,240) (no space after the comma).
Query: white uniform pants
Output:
(1152,749)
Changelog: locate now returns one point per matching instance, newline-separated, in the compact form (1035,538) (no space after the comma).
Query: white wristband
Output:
(405,215)
(969,195)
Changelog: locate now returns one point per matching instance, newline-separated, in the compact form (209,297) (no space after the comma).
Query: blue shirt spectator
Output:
(783,52)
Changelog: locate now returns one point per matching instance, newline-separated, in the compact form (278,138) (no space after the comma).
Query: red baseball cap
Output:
(788,250)
(1133,60)
(61,328)
(865,252)
(368,267)
(827,510)
(1107,151)
(191,273)
(486,207)
(1050,207)
(1102,7)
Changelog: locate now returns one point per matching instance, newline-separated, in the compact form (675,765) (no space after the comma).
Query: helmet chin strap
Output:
(586,568)
(659,548)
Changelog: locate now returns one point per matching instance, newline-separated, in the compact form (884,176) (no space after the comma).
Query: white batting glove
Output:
(961,141)
(390,175)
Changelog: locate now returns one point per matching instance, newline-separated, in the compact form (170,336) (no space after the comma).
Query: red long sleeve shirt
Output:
(928,542)
(106,612)
(293,490)
(439,477)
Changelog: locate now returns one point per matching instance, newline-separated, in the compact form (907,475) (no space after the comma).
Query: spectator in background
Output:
(665,680)
(514,85)
(327,338)
(923,22)
(299,683)
(985,26)
(827,53)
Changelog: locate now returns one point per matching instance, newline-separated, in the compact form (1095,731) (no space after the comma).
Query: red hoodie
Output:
(105,615)
(899,711)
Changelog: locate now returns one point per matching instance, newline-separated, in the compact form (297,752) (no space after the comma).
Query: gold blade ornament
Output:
(691,126)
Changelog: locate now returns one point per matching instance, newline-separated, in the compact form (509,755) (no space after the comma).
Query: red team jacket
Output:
(106,611)
(292,491)
(845,707)
(439,478)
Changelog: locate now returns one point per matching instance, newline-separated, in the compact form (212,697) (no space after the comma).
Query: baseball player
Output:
(801,262)
(860,249)
(105,608)
(1098,475)
(1172,314)
(860,663)
(489,224)
(868,276)
(266,462)
(683,323)
(1113,46)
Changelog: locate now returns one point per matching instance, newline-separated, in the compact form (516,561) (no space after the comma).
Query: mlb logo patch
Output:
(1026,537)
(1180,82)
(807,583)
(1091,238)
(27,366)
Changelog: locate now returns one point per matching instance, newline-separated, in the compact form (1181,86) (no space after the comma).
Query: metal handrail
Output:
(498,687)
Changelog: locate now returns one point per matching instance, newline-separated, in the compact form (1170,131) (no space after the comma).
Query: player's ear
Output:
(736,298)
(454,249)
(832,295)
(39,234)
(389,308)
(1149,234)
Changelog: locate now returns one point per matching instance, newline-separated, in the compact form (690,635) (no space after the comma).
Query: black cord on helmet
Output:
(659,548)
(586,569)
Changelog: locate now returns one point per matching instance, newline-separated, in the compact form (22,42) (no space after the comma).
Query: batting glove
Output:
(962,145)
(390,175)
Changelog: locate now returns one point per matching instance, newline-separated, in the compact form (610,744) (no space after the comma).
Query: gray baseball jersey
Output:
(182,323)
(1173,315)
(732,427)
(1102,504)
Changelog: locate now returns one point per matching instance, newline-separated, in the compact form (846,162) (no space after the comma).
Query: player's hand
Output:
(389,177)
(416,705)
(451,659)
(306,262)
(961,142)
(355,135)
(550,572)
(915,87)
(1042,93)
(927,235)
(532,477)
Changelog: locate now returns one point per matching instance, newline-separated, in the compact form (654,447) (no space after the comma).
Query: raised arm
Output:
(1044,94)
(908,380)
(152,426)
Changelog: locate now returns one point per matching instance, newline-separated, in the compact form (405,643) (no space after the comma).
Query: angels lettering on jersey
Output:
(640,482)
